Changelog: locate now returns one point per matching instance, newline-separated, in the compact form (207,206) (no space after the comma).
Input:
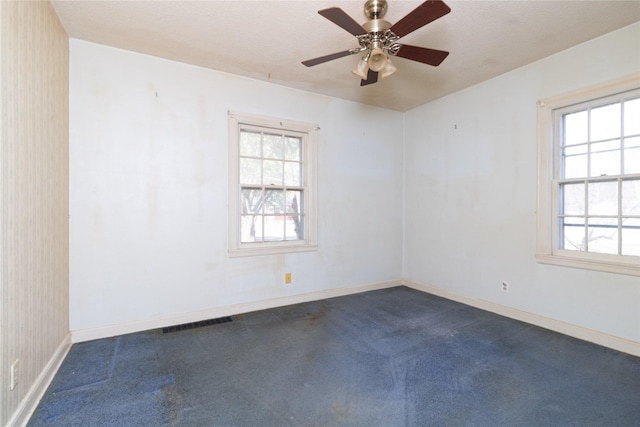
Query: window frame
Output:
(547,247)
(309,136)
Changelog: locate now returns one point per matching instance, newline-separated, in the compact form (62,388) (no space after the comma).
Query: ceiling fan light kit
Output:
(378,59)
(378,38)
(361,68)
(388,69)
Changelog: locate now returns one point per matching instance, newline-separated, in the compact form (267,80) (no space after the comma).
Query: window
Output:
(272,195)
(589,178)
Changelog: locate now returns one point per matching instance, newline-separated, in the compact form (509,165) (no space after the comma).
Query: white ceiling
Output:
(266,40)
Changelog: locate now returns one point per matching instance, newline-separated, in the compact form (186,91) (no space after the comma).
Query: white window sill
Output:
(271,250)
(630,268)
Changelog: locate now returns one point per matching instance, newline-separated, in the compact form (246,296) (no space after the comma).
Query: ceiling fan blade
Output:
(326,58)
(372,77)
(341,19)
(422,54)
(427,12)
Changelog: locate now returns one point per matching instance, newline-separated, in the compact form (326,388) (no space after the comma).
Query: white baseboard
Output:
(35,393)
(600,338)
(81,335)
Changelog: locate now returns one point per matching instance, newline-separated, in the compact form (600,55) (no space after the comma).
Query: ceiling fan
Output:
(378,38)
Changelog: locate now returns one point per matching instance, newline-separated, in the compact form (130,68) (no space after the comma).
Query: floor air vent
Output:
(199,324)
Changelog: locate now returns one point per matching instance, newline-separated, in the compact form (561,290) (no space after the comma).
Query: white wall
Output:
(471,194)
(148,193)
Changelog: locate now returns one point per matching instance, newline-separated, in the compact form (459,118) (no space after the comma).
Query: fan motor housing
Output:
(376,25)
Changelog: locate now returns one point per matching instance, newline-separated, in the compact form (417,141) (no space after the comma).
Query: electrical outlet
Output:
(505,287)
(287,278)
(14,373)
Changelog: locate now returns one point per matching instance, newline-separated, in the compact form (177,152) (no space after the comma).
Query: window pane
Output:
(573,199)
(603,198)
(251,201)
(294,202)
(292,148)
(632,155)
(292,174)
(603,235)
(631,197)
(573,232)
(274,228)
(250,228)
(575,161)
(250,171)
(273,172)
(250,144)
(294,227)
(605,122)
(274,201)
(575,128)
(632,117)
(631,236)
(575,166)
(605,163)
(272,146)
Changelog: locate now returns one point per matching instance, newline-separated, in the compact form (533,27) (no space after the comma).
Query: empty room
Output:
(320,213)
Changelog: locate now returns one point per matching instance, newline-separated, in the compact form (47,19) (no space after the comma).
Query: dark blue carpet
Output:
(394,357)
